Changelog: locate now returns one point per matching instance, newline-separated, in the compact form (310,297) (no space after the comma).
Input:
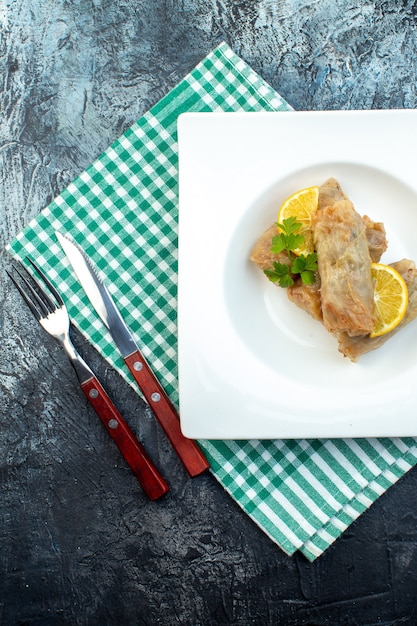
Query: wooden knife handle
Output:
(148,476)
(187,450)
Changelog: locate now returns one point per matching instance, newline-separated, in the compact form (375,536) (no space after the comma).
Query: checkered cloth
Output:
(123,211)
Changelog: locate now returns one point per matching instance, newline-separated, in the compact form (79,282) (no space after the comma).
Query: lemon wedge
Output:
(302,204)
(390,296)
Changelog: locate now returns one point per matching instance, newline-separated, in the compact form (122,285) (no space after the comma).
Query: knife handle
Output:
(187,450)
(148,476)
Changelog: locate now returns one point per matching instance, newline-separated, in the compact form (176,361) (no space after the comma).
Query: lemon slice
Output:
(302,204)
(390,296)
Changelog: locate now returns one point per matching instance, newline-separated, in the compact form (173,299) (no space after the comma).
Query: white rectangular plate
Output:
(251,364)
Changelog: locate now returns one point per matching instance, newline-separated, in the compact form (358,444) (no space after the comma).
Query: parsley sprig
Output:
(289,239)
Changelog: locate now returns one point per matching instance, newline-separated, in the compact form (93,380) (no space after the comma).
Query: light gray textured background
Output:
(79,543)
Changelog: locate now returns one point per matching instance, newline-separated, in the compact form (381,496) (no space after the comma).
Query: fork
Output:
(54,319)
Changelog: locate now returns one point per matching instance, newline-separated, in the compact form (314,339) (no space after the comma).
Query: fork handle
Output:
(187,450)
(148,476)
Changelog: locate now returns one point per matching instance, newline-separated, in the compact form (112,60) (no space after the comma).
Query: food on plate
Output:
(354,347)
(302,205)
(329,261)
(344,266)
(390,297)
(377,241)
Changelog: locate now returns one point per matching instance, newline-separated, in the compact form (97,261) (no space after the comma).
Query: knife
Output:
(187,450)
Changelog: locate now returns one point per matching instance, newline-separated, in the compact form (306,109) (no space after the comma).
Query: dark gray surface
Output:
(79,543)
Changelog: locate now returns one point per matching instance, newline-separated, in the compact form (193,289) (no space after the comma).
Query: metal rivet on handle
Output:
(137,365)
(155,397)
(113,424)
(93,393)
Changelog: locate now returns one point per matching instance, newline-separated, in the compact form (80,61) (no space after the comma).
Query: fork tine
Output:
(45,303)
(47,282)
(25,297)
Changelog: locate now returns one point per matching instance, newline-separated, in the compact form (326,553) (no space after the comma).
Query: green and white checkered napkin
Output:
(123,211)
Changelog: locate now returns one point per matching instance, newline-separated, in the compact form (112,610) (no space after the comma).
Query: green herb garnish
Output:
(289,240)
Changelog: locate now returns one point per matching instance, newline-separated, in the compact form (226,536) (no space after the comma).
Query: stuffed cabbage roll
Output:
(330,193)
(344,265)
(307,297)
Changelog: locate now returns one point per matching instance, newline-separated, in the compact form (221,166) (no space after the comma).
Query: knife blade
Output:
(187,450)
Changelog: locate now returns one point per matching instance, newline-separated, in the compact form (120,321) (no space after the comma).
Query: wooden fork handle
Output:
(187,450)
(147,474)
